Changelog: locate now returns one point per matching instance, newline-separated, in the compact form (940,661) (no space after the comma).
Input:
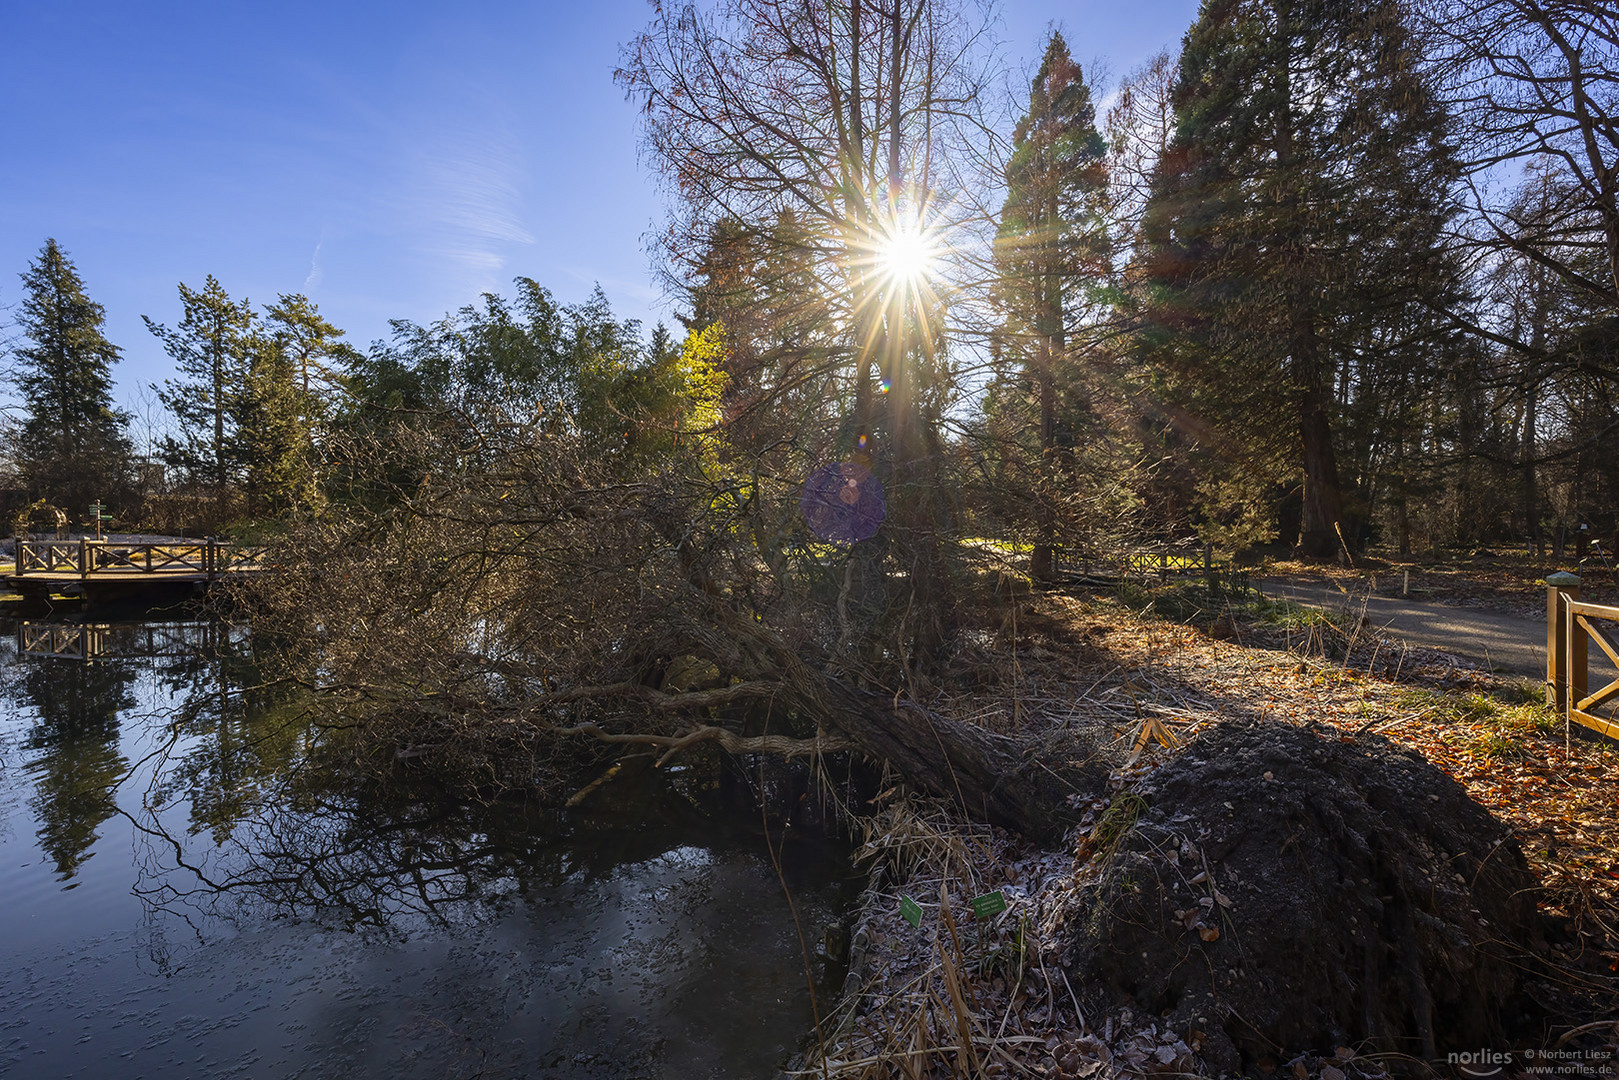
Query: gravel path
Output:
(1505,642)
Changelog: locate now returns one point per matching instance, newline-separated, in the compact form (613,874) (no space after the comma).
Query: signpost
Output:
(988,905)
(98,515)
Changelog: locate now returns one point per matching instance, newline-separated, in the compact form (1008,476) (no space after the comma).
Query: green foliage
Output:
(495,376)
(1237,511)
(1293,237)
(210,348)
(1050,253)
(74,442)
(250,397)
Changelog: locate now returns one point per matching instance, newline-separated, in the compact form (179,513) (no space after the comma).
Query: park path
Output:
(1502,641)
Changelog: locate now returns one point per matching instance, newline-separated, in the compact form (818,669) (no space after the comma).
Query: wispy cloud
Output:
(464,196)
(312,280)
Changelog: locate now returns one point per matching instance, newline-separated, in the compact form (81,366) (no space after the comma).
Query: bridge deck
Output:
(66,577)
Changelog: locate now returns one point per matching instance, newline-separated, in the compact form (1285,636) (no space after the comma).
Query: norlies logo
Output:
(1480,1062)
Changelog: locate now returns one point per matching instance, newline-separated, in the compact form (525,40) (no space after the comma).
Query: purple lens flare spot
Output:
(843,503)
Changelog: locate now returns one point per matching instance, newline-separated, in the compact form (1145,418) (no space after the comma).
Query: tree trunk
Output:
(1041,558)
(1528,502)
(1019,785)
(1319,533)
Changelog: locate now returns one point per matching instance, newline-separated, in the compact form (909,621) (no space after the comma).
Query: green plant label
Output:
(991,903)
(910,911)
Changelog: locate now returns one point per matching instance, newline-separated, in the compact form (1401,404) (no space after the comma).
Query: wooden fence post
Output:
(1577,643)
(16,547)
(1557,650)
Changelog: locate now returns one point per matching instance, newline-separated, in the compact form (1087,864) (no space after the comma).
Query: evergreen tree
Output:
(1293,221)
(211,347)
(1051,244)
(314,348)
(75,445)
(273,446)
(293,379)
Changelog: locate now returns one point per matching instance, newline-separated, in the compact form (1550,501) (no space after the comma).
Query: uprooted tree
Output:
(622,558)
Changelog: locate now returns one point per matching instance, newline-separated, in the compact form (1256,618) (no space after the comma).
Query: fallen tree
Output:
(505,623)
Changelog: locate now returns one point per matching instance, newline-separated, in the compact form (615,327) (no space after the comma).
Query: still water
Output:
(168,909)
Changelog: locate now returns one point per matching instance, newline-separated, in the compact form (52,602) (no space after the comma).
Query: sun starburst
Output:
(908,256)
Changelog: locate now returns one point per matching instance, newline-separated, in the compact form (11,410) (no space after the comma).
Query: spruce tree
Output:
(1294,221)
(75,444)
(1051,243)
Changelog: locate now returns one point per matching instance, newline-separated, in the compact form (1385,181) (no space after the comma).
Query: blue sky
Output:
(388,160)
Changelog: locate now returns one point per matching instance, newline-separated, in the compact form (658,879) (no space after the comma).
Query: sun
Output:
(907,256)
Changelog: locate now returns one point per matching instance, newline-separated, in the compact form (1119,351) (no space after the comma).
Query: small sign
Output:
(988,905)
(910,911)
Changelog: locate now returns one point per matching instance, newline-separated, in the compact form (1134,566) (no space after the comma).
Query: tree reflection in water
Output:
(75,759)
(358,862)
(614,933)
(247,811)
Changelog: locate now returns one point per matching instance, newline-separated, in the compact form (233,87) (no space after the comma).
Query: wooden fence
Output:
(1162,564)
(84,558)
(1571,625)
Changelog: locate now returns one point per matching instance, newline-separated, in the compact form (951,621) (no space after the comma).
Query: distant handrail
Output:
(1161,562)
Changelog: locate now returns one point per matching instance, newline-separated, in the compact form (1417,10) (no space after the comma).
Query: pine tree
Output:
(1293,221)
(1051,241)
(314,347)
(75,444)
(211,348)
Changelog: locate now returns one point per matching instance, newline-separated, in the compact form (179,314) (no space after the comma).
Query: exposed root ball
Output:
(1285,891)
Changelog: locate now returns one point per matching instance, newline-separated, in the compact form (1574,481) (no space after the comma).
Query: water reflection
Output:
(75,759)
(348,935)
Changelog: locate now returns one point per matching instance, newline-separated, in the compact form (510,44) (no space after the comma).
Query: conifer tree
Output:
(1296,212)
(75,444)
(1051,240)
(211,347)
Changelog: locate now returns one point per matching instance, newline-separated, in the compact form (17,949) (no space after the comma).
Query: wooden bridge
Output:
(40,567)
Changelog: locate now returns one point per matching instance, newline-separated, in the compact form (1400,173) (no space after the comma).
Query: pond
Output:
(174,907)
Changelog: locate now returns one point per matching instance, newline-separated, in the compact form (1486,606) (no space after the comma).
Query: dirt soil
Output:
(1292,887)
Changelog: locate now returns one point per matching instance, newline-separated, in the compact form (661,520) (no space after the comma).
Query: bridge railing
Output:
(1571,625)
(89,641)
(82,558)
(64,641)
